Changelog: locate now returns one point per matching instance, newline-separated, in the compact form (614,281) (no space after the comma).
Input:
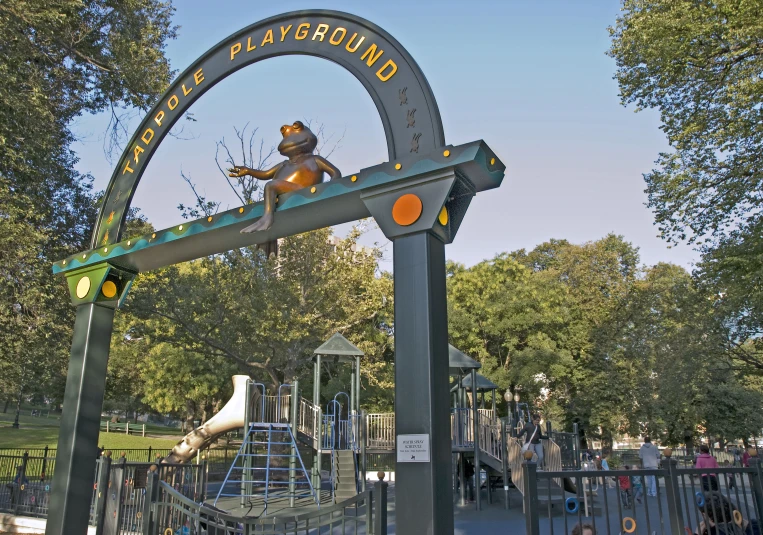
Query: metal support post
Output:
(380,508)
(505,465)
(532,523)
(756,482)
(363,426)
(357,384)
(295,431)
(673,496)
(576,431)
(424,499)
(152,495)
(102,486)
(461,480)
(316,470)
(476,439)
(80,422)
(247,460)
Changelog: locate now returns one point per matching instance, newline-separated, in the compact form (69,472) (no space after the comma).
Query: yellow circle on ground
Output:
(83,287)
(443,217)
(407,209)
(109,289)
(446,153)
(398,166)
(354,178)
(630,523)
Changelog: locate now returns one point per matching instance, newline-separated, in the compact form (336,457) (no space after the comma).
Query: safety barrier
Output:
(663,501)
(381,431)
(168,511)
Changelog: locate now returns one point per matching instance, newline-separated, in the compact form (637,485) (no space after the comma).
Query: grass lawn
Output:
(41,432)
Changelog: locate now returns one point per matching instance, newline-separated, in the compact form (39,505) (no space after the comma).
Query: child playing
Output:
(730,478)
(638,488)
(625,490)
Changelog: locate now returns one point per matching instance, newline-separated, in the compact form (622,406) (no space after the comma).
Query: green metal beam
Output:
(331,203)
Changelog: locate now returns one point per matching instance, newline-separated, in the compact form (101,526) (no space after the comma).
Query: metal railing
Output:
(309,417)
(168,511)
(663,501)
(381,430)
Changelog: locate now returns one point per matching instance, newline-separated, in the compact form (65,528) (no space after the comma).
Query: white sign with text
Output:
(413,448)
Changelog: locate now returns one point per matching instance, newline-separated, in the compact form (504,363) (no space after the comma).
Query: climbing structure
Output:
(268,467)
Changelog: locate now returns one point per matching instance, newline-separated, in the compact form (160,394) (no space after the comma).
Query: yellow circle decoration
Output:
(398,166)
(84,255)
(105,249)
(407,209)
(443,217)
(312,190)
(168,531)
(209,219)
(83,287)
(241,210)
(354,178)
(129,242)
(492,161)
(738,517)
(180,227)
(629,525)
(446,153)
(63,263)
(109,289)
(153,235)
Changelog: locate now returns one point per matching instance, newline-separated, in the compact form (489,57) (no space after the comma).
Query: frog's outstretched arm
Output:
(328,167)
(239,171)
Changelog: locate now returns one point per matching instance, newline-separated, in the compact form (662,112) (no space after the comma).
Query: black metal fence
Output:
(664,501)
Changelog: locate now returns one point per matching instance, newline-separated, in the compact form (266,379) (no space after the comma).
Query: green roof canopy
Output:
(483,383)
(340,347)
(459,363)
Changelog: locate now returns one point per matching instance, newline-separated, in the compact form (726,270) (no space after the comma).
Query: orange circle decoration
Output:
(109,289)
(407,210)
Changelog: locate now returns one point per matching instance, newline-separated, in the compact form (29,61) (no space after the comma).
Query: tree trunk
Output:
(190,412)
(689,441)
(606,440)
(7,402)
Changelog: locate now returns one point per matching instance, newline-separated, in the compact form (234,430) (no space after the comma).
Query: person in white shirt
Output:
(650,460)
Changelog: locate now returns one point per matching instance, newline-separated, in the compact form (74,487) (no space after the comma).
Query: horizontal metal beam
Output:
(330,203)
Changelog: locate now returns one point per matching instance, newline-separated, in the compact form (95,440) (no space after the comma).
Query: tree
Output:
(60,59)
(699,64)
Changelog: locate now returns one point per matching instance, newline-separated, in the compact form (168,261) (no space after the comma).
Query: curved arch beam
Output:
(402,95)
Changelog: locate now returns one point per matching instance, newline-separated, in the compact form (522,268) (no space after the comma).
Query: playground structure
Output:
(287,438)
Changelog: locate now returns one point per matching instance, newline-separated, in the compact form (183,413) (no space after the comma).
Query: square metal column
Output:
(80,422)
(423,489)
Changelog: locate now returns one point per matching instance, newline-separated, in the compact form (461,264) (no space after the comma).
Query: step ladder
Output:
(268,467)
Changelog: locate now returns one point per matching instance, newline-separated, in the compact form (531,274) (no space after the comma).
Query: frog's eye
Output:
(298,125)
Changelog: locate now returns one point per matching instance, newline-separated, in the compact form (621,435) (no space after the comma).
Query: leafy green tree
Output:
(699,64)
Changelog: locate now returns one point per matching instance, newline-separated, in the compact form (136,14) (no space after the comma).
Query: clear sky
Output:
(530,77)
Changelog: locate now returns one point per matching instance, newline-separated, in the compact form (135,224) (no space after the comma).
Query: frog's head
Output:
(297,139)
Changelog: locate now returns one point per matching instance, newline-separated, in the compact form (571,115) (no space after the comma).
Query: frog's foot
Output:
(263,223)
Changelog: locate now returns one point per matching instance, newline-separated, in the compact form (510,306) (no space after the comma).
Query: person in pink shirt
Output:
(705,460)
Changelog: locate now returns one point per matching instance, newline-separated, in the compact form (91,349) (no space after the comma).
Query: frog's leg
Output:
(273,189)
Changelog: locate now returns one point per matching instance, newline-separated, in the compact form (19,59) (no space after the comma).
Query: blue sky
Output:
(529,77)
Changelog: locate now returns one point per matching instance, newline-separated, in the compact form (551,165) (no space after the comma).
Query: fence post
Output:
(576,430)
(530,475)
(149,454)
(44,462)
(102,485)
(152,495)
(380,506)
(18,493)
(673,493)
(756,482)
(127,428)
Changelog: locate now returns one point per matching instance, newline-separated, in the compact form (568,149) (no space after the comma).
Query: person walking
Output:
(533,436)
(650,460)
(705,460)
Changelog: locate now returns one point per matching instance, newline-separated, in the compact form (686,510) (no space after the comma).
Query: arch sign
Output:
(418,198)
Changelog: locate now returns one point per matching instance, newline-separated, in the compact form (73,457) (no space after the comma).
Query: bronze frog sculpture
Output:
(302,170)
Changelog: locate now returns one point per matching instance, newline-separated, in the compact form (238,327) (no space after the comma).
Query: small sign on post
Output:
(413,448)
